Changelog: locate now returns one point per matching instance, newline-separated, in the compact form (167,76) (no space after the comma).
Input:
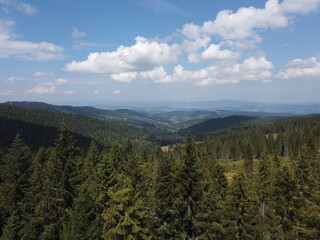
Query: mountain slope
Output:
(215,124)
(35,122)
(119,115)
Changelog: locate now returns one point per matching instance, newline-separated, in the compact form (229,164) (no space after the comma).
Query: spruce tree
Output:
(59,189)
(283,204)
(164,196)
(124,214)
(32,204)
(14,181)
(190,190)
(241,210)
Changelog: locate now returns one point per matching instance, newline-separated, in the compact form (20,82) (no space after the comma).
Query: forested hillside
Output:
(39,128)
(119,115)
(215,124)
(121,192)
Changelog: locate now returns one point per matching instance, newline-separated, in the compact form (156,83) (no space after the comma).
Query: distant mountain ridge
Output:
(231,105)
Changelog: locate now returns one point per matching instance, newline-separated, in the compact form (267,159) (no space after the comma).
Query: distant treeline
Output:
(39,128)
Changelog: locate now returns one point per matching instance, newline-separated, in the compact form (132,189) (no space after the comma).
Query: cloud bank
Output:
(24,50)
(226,46)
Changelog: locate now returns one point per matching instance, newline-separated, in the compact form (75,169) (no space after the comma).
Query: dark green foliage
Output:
(216,124)
(124,215)
(284,194)
(14,175)
(40,128)
(190,190)
(121,192)
(11,229)
(241,210)
(164,196)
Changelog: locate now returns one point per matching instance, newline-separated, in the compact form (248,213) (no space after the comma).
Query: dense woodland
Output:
(119,191)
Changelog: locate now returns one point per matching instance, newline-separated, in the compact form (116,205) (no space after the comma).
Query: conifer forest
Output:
(254,181)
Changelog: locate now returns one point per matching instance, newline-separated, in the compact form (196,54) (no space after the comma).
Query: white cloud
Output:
(77,34)
(96,92)
(42,74)
(191,46)
(144,55)
(245,22)
(236,57)
(7,93)
(125,77)
(61,81)
(69,92)
(215,53)
(24,50)
(301,69)
(49,87)
(251,69)
(41,89)
(157,75)
(14,79)
(18,6)
(116,92)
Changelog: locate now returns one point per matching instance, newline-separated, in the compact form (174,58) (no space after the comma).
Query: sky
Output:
(63,51)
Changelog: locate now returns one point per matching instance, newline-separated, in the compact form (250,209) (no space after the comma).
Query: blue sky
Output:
(160,50)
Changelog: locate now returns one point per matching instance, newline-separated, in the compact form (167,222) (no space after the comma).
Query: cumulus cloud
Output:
(213,52)
(125,77)
(48,87)
(41,89)
(116,92)
(245,22)
(228,44)
(14,79)
(77,33)
(250,69)
(24,50)
(143,55)
(18,6)
(301,69)
(157,75)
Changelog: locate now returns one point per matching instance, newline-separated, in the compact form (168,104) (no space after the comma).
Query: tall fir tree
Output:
(164,196)
(59,189)
(124,214)
(241,210)
(15,172)
(190,189)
